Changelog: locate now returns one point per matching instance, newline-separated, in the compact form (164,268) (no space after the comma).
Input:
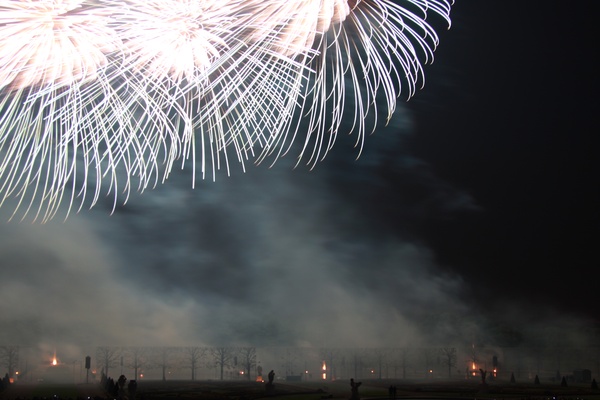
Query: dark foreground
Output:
(370,389)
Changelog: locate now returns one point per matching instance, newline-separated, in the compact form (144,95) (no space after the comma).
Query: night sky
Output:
(508,116)
(479,200)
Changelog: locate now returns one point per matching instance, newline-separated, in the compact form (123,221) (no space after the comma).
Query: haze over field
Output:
(471,218)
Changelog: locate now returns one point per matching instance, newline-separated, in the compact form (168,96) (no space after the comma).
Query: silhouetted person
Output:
(563,383)
(536,380)
(122,381)
(271,377)
(483,375)
(269,385)
(512,377)
(594,384)
(132,388)
(392,391)
(354,389)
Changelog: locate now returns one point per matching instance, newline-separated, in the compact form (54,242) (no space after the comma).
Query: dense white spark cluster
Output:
(98,94)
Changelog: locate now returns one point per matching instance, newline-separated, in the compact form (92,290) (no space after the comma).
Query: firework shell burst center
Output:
(106,96)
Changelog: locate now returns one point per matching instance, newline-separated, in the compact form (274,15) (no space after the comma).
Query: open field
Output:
(370,389)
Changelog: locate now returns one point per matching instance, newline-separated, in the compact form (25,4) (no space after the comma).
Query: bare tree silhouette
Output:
(137,357)
(162,359)
(9,358)
(248,359)
(448,359)
(223,357)
(107,357)
(192,357)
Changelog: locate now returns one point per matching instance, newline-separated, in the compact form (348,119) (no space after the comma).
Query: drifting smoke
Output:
(275,257)
(246,260)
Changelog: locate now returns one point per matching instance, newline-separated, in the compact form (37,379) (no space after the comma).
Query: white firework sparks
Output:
(363,48)
(52,43)
(53,88)
(105,91)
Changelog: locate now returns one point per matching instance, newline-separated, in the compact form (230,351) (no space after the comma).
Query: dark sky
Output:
(509,115)
(478,201)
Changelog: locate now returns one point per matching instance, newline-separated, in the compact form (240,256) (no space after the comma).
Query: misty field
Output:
(241,390)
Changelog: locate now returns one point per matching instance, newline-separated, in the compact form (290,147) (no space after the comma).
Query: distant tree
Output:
(192,357)
(358,356)
(248,359)
(107,357)
(162,358)
(380,357)
(405,353)
(136,358)
(331,358)
(223,357)
(9,358)
(429,355)
(473,355)
(448,358)
(288,356)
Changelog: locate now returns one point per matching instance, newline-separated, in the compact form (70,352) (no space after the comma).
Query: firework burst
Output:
(54,93)
(363,50)
(97,93)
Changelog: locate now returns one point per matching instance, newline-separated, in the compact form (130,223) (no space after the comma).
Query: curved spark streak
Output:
(95,94)
(56,43)
(369,47)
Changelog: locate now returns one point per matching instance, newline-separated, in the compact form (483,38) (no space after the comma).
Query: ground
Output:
(339,390)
